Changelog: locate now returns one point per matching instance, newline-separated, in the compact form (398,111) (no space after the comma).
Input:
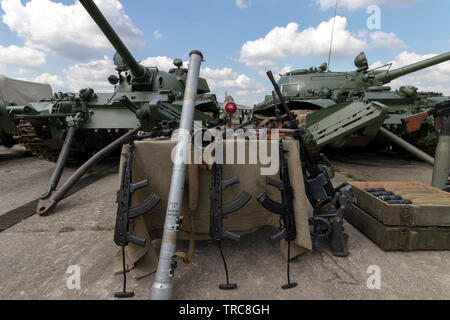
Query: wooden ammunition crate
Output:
(423,225)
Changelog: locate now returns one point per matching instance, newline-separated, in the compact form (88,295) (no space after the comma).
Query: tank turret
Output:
(341,93)
(140,78)
(310,83)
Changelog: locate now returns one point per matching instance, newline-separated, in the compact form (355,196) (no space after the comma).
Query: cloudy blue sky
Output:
(56,41)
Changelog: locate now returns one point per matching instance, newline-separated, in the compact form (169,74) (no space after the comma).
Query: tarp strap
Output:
(193,179)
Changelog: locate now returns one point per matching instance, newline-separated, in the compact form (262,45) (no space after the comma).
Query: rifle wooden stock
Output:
(414,123)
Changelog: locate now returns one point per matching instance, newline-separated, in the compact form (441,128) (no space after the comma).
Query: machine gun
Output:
(220,210)
(125,213)
(285,209)
(328,208)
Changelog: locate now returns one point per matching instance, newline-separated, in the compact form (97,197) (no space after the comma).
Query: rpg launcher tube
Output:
(441,168)
(162,287)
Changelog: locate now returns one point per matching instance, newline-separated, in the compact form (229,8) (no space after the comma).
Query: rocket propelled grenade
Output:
(162,287)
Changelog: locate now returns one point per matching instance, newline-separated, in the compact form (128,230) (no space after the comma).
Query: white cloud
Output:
(218,74)
(52,79)
(22,57)
(162,62)
(241,4)
(226,78)
(388,40)
(24,71)
(67,30)
(92,74)
(349,4)
(435,78)
(357,4)
(276,71)
(158,35)
(282,41)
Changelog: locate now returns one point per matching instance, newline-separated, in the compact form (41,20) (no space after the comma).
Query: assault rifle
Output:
(220,210)
(328,208)
(126,213)
(285,209)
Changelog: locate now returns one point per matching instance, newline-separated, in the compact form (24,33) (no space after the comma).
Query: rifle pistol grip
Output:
(229,182)
(230,235)
(138,185)
(275,183)
(282,234)
(136,240)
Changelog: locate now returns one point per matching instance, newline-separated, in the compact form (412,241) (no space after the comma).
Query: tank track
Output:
(28,137)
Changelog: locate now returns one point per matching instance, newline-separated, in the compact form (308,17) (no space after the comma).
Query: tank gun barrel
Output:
(389,75)
(139,72)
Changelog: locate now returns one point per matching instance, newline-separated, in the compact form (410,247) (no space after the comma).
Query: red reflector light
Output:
(230,108)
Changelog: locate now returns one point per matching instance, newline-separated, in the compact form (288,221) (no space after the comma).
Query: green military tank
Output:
(141,97)
(76,126)
(349,108)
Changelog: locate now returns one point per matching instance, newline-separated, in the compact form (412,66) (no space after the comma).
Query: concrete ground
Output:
(37,253)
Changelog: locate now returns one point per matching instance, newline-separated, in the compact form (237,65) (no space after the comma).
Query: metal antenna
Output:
(332,34)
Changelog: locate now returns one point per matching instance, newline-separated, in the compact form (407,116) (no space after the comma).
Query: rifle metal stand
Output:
(124,293)
(228,285)
(122,235)
(290,284)
(219,211)
(285,209)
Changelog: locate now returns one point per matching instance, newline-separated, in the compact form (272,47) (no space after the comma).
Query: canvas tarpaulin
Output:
(152,160)
(23,92)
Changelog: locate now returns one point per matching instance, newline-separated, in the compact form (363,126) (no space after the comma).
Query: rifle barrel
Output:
(388,76)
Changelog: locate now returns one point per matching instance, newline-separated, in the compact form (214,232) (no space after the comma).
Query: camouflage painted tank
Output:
(347,108)
(142,96)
